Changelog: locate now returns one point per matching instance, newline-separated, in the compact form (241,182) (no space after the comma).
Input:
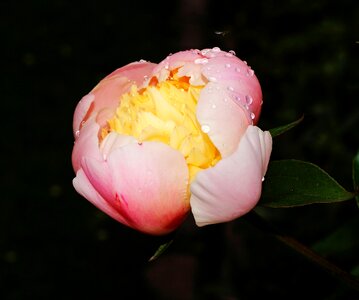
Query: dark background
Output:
(55,245)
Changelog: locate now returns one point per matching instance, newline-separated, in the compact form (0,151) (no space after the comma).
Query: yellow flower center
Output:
(166,112)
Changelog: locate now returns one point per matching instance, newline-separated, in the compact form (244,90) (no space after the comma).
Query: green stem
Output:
(263,225)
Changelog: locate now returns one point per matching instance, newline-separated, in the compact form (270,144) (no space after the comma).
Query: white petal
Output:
(232,187)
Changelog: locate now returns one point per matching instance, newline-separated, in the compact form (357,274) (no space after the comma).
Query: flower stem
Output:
(325,264)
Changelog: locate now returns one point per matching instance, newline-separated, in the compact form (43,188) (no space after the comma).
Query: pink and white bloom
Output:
(153,141)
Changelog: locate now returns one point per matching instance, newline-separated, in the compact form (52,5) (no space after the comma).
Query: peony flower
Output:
(153,142)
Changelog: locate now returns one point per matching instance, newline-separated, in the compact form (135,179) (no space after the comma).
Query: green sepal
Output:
(284,128)
(161,249)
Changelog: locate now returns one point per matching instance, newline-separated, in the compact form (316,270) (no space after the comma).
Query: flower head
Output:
(153,141)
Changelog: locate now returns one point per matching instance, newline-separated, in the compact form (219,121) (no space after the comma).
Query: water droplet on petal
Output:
(230,88)
(238,69)
(77,133)
(228,65)
(142,61)
(205,128)
(245,62)
(253,116)
(205,51)
(263,178)
(250,72)
(212,79)
(216,49)
(262,102)
(249,100)
(201,61)
(229,54)
(232,52)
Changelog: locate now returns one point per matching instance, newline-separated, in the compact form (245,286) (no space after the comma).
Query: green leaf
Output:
(292,183)
(356,176)
(281,129)
(160,250)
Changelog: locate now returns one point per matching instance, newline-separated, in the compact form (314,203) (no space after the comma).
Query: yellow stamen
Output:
(166,112)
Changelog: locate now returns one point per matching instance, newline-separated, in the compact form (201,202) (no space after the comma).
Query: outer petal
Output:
(106,95)
(238,79)
(111,88)
(80,113)
(146,184)
(152,179)
(232,187)
(86,144)
(85,188)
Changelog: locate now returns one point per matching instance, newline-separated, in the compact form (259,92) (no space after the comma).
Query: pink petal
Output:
(101,179)
(80,112)
(104,115)
(86,144)
(109,91)
(152,178)
(225,120)
(238,79)
(106,95)
(232,187)
(99,174)
(145,183)
(84,187)
(176,60)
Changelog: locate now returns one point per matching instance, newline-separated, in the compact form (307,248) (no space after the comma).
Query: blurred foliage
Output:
(55,245)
